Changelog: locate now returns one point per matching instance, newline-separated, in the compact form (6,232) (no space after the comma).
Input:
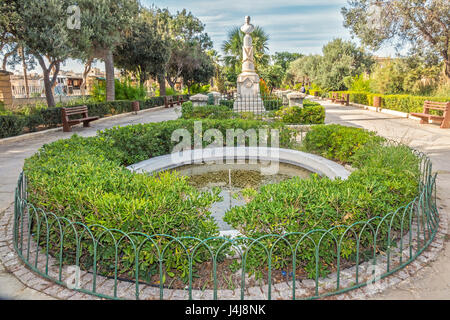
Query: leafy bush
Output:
(169,92)
(228,103)
(11,125)
(205,112)
(398,102)
(40,115)
(310,113)
(124,90)
(197,88)
(337,142)
(83,180)
(387,179)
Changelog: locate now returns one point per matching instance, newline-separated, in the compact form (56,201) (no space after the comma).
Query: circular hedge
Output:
(85,180)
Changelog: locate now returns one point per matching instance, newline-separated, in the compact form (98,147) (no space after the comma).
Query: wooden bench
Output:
(334,96)
(68,123)
(181,100)
(344,99)
(432,105)
(169,101)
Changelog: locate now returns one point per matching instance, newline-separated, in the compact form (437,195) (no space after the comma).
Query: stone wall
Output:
(5,88)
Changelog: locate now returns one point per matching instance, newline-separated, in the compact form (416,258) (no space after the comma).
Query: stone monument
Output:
(248,94)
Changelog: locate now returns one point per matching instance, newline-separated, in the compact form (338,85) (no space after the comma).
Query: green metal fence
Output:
(47,243)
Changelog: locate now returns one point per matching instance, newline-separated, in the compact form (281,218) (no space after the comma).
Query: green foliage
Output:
(337,142)
(357,83)
(11,125)
(232,48)
(283,59)
(273,75)
(145,50)
(413,75)
(310,113)
(387,179)
(340,59)
(80,179)
(197,88)
(228,103)
(124,91)
(206,112)
(32,117)
(169,92)
(402,22)
(398,102)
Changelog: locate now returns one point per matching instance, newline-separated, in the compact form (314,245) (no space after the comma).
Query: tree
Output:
(283,59)
(233,48)
(424,24)
(102,26)
(303,70)
(145,51)
(199,69)
(40,27)
(188,43)
(218,79)
(273,75)
(341,59)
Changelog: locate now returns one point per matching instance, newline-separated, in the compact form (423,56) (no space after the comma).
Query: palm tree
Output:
(233,48)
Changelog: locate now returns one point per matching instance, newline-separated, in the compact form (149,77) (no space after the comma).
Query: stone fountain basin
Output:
(311,162)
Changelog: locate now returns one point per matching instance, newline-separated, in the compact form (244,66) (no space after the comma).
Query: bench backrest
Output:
(75,110)
(443,106)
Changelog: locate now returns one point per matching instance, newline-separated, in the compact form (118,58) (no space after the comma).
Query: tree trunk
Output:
(87,69)
(109,70)
(48,84)
(49,90)
(25,75)
(447,69)
(162,85)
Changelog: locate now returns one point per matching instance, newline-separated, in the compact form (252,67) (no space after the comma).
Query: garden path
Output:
(431,282)
(12,156)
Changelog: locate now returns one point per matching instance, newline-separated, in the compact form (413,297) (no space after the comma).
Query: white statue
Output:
(247,61)
(248,94)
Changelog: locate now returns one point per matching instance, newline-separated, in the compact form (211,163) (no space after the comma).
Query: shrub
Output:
(205,112)
(197,88)
(310,113)
(228,103)
(386,180)
(398,102)
(40,115)
(83,180)
(337,142)
(11,125)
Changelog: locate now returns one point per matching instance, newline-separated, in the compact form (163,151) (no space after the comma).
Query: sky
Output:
(302,26)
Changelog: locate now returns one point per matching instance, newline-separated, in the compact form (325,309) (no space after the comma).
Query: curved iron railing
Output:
(41,241)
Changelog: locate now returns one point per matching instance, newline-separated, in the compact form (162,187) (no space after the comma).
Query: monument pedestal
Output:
(248,94)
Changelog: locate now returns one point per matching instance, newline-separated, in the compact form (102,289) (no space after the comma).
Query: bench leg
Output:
(445,124)
(422,121)
(86,124)
(66,127)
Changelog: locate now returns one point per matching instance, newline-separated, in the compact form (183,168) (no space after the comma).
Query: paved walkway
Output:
(12,156)
(432,282)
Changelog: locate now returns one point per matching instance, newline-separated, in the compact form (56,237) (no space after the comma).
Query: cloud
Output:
(296,26)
